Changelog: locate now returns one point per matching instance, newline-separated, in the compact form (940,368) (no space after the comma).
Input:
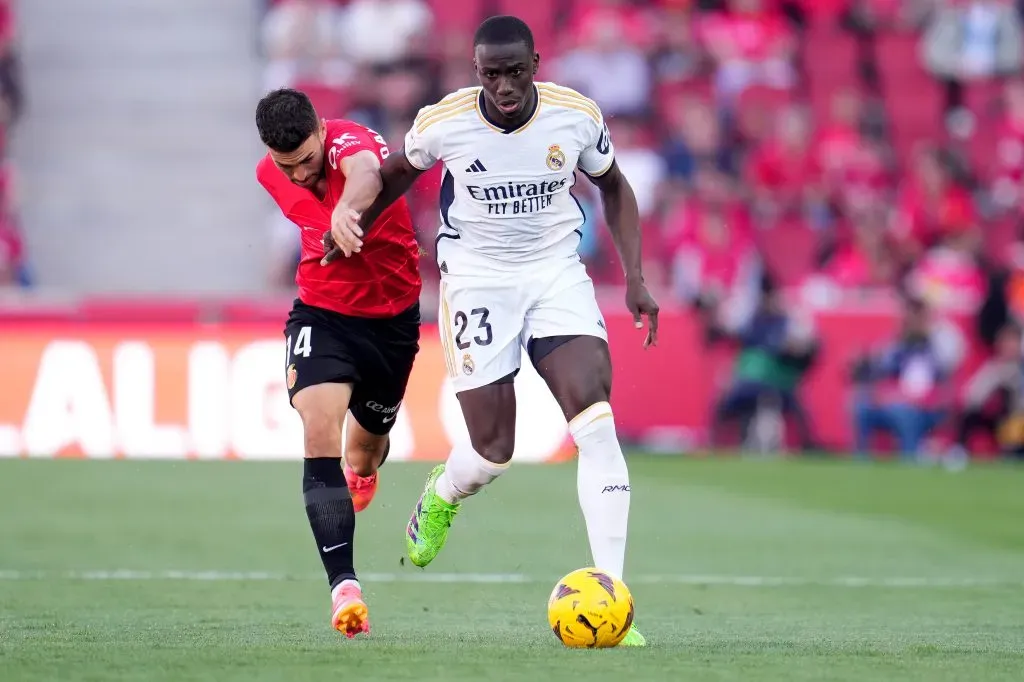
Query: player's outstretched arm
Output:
(623,218)
(362,185)
(396,176)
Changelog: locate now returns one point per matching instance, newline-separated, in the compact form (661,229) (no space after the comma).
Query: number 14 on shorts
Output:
(303,345)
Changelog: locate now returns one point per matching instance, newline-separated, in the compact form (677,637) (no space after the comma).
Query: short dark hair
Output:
(503,30)
(286,118)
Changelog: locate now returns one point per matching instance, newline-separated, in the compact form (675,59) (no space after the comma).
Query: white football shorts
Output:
(488,315)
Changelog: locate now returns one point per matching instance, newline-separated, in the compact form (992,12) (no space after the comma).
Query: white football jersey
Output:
(506,193)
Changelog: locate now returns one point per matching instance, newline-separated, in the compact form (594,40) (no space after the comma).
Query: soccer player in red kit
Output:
(353,332)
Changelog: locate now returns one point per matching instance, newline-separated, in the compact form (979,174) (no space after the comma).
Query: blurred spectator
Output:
(676,56)
(749,44)
(776,350)
(948,275)
(301,41)
(1009,151)
(784,174)
(993,400)
(593,17)
(11,88)
(12,272)
(930,206)
(968,40)
(608,68)
(384,32)
(639,162)
(863,260)
(903,390)
(695,140)
(716,266)
(851,164)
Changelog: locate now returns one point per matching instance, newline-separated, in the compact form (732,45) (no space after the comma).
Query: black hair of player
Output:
(285,119)
(504,30)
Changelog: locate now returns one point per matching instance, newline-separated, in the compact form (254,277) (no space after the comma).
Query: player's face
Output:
(506,74)
(304,166)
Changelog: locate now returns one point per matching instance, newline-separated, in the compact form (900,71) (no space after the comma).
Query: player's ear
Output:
(536,62)
(321,131)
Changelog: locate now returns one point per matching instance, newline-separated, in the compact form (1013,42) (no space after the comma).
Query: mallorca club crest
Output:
(292,376)
(467,365)
(556,159)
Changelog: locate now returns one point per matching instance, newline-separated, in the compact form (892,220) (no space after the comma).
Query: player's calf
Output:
(364,453)
(603,485)
(324,489)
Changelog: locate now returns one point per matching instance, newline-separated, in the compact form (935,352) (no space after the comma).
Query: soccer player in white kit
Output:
(511,278)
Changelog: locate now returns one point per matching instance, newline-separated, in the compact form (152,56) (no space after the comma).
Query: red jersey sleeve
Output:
(345,138)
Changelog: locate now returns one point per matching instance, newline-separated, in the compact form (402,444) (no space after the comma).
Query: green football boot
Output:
(428,528)
(633,638)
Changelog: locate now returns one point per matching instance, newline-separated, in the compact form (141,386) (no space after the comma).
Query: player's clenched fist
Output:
(345,235)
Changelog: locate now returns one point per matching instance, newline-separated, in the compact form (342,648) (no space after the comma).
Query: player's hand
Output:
(640,304)
(345,233)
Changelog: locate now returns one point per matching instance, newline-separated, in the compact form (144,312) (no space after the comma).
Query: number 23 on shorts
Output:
(462,331)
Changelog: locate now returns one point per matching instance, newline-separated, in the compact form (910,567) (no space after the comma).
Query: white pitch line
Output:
(521,578)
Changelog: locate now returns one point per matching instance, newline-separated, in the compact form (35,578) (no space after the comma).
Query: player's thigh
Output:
(378,396)
(480,322)
(320,373)
(385,365)
(568,342)
(322,408)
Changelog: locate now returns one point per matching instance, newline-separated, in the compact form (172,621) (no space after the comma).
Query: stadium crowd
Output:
(842,148)
(13,265)
(872,143)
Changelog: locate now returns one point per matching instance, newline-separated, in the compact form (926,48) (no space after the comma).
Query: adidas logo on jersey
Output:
(476,167)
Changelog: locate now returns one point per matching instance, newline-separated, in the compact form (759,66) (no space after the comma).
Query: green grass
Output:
(812,525)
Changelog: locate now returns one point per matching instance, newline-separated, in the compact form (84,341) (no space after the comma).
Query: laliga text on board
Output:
(212,393)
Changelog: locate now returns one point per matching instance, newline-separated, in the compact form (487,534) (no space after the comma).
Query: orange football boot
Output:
(362,488)
(349,613)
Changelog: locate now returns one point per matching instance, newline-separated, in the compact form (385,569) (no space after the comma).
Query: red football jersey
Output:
(380,281)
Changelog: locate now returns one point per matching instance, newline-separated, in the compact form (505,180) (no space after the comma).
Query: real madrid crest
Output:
(292,376)
(556,159)
(467,365)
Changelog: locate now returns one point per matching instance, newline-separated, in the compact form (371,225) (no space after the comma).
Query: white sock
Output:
(602,481)
(465,473)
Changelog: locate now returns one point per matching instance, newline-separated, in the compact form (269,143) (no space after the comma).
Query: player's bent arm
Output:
(397,176)
(623,218)
(362,180)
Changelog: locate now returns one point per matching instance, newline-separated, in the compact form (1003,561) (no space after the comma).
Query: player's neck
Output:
(495,117)
(319,190)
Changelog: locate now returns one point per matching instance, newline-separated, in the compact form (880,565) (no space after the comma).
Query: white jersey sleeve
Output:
(424,141)
(598,154)
(422,147)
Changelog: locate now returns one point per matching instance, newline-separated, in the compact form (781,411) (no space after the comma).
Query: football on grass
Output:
(590,609)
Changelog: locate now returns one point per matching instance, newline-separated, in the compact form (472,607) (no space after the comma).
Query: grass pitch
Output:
(741,570)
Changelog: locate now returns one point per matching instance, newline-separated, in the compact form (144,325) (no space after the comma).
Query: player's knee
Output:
(322,434)
(497,450)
